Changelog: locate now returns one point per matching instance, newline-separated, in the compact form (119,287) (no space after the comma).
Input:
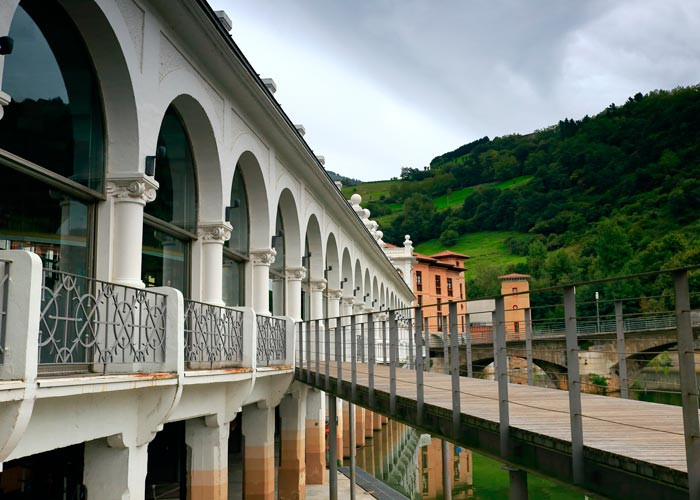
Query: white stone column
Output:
(317,288)
(114,471)
(334,302)
(316,437)
(262,259)
(128,194)
(292,470)
(212,237)
(295,275)
(208,467)
(259,453)
(346,309)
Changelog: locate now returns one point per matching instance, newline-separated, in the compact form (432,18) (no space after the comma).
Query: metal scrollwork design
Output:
(213,334)
(272,340)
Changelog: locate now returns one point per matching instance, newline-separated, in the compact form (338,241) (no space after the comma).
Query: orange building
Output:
(515,287)
(439,279)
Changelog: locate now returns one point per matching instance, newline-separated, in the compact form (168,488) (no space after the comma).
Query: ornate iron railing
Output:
(4,292)
(213,334)
(91,322)
(272,340)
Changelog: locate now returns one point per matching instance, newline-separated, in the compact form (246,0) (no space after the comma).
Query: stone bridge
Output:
(598,353)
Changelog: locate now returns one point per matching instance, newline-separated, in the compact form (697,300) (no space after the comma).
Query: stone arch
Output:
(294,246)
(375,294)
(332,263)
(258,204)
(108,42)
(382,301)
(316,262)
(347,274)
(556,374)
(639,360)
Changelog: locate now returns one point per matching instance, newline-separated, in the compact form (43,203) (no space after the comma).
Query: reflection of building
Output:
(515,288)
(430,470)
(439,279)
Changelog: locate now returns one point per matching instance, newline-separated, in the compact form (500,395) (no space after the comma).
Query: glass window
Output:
(233,281)
(164,259)
(55,116)
(239,215)
(419,281)
(438,285)
(449,287)
(39,218)
(165,254)
(277,279)
(515,290)
(176,202)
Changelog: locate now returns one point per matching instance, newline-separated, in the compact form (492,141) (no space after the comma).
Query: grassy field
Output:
(370,191)
(483,248)
(491,483)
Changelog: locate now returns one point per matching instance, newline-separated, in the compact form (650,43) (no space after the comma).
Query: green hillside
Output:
(615,193)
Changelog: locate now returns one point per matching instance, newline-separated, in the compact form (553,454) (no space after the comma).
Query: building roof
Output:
(448,253)
(389,245)
(514,276)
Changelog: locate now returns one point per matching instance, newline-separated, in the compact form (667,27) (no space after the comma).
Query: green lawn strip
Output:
(491,482)
(484,248)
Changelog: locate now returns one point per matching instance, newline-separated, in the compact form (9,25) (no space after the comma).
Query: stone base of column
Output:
(340,429)
(259,453)
(369,424)
(359,426)
(377,422)
(115,473)
(208,475)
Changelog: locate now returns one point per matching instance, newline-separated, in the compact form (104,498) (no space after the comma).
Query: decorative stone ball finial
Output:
(407,241)
(366,213)
(356,199)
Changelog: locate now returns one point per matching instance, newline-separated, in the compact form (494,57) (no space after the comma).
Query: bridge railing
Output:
(341,354)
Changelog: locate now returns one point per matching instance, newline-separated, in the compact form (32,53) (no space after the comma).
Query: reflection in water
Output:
(411,463)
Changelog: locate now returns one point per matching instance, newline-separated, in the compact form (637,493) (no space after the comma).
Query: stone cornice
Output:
(217,232)
(263,256)
(295,273)
(133,188)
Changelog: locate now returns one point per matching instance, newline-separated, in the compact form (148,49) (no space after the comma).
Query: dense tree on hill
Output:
(616,192)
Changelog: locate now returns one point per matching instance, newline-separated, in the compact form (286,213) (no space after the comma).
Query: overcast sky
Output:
(381,84)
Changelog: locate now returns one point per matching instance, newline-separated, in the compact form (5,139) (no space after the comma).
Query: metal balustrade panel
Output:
(272,340)
(95,323)
(213,335)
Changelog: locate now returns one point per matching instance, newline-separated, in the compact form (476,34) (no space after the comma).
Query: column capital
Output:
(318,284)
(5,99)
(334,294)
(296,273)
(263,256)
(347,300)
(217,232)
(134,187)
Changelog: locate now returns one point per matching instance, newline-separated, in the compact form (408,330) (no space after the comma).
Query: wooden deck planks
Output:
(649,432)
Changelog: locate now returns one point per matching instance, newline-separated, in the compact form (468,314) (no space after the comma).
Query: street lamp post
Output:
(597,312)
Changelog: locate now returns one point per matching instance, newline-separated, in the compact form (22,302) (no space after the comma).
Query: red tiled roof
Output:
(514,276)
(449,253)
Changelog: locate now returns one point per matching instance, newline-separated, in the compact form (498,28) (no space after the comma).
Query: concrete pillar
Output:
(127,194)
(334,302)
(346,429)
(211,238)
(113,471)
(346,304)
(340,432)
(259,453)
(359,426)
(262,259)
(208,467)
(295,275)
(369,424)
(291,479)
(316,438)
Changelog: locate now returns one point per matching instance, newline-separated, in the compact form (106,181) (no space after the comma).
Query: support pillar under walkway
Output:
(114,471)
(316,438)
(259,452)
(291,478)
(208,467)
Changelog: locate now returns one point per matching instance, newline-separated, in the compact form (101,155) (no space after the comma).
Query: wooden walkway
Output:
(648,434)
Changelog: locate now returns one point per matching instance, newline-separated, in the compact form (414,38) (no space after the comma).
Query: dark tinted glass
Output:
(36,217)
(176,201)
(233,282)
(55,117)
(239,215)
(164,260)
